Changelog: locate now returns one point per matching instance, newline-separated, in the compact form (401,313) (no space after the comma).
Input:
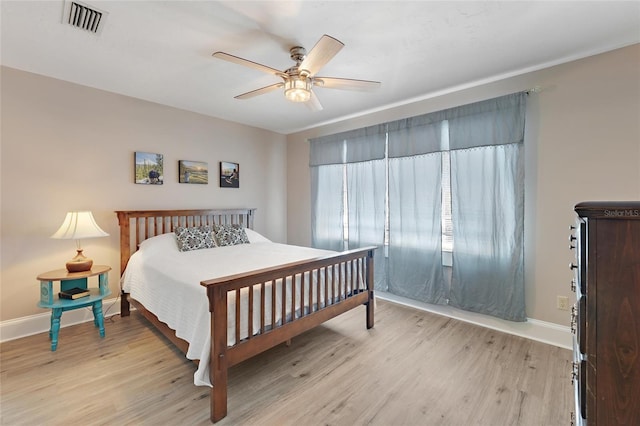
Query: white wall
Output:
(68,147)
(582,143)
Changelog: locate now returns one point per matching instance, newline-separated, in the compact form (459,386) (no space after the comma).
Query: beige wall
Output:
(582,143)
(68,147)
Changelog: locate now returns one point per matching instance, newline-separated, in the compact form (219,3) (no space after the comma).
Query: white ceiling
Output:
(160,51)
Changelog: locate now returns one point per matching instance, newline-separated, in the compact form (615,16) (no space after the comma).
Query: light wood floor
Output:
(413,368)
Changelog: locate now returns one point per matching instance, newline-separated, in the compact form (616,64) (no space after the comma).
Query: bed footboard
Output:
(321,289)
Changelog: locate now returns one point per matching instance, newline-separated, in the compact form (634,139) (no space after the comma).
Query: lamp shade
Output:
(77,226)
(297,89)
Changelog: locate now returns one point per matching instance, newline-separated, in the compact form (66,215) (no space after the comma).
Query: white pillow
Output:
(160,243)
(255,237)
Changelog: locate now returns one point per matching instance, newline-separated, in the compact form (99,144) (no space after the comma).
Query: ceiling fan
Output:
(300,78)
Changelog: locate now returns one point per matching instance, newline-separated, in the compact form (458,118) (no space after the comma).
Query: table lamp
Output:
(77,226)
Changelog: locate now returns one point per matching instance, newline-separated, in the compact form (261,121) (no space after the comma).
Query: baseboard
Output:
(40,323)
(541,331)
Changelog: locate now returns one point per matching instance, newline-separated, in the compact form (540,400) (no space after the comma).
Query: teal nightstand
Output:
(49,297)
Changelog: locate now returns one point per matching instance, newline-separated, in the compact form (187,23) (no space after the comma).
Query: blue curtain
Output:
(365,200)
(415,232)
(415,206)
(327,207)
(487,189)
(485,145)
(488,210)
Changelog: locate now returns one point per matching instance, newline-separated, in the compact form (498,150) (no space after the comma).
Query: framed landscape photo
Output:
(193,172)
(229,175)
(148,168)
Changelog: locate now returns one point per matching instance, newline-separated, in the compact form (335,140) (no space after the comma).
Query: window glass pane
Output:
(447,222)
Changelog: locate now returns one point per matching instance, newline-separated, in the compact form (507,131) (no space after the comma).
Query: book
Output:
(74,293)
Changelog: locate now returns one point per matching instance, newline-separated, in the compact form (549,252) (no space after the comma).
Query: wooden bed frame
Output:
(335,275)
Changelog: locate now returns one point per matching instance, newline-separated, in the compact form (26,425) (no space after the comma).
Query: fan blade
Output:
(260,91)
(313,104)
(345,83)
(247,63)
(325,49)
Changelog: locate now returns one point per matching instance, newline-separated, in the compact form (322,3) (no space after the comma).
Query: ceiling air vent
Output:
(83,16)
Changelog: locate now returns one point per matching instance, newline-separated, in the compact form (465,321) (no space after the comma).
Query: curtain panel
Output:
(415,232)
(366,212)
(487,189)
(415,207)
(327,207)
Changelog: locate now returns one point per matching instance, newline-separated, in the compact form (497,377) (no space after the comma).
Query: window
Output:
(345,201)
(446,219)
(440,190)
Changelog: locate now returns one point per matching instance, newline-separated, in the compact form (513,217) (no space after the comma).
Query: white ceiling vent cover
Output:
(83,16)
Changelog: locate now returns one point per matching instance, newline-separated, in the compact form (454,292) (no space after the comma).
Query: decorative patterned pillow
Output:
(230,235)
(194,238)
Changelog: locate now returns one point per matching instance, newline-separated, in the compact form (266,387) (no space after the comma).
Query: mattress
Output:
(167,282)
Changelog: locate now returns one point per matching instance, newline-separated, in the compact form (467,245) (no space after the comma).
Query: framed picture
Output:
(193,172)
(148,168)
(229,175)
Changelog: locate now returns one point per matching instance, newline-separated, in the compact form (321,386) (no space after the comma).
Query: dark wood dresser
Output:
(606,317)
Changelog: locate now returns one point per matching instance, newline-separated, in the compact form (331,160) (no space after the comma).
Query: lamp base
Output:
(80,263)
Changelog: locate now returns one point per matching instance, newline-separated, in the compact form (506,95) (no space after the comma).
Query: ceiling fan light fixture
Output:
(300,78)
(297,89)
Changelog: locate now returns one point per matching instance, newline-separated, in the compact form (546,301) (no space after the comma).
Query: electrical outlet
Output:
(563,303)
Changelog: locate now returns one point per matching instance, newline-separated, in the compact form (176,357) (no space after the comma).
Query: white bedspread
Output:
(167,282)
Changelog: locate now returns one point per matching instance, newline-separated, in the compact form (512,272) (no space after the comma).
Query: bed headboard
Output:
(138,225)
